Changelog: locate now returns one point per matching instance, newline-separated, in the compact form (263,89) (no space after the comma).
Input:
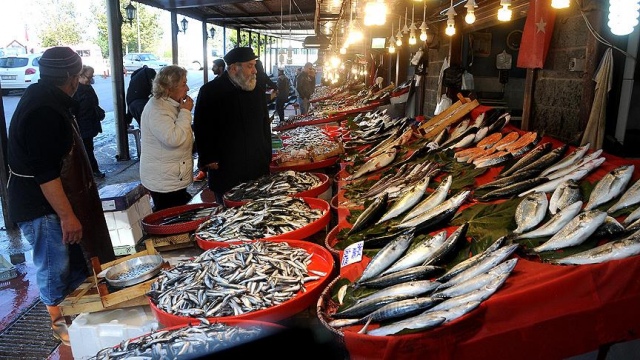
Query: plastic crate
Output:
(7,271)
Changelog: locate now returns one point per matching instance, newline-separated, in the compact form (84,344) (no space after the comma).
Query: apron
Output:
(81,190)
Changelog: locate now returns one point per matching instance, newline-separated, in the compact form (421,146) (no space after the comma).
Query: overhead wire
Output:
(598,36)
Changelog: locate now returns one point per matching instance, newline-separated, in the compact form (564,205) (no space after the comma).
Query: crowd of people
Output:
(52,191)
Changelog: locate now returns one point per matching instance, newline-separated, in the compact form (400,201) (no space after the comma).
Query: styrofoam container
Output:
(92,332)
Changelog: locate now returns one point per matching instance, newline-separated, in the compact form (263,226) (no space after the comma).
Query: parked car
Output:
(134,61)
(20,71)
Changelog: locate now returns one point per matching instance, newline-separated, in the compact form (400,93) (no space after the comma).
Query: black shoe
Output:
(99,175)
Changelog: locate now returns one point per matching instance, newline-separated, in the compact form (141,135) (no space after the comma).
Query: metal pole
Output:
(205,60)
(238,36)
(4,170)
(138,25)
(224,40)
(114,19)
(174,37)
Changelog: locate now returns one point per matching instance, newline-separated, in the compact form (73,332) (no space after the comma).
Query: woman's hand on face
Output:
(187,103)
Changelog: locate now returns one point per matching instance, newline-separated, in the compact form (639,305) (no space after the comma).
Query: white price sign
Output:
(352,254)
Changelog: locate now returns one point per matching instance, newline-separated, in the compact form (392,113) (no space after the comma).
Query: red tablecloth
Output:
(542,312)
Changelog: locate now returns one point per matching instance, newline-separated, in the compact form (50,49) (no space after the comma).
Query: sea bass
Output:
(531,211)
(556,223)
(575,232)
(564,195)
(610,186)
(614,250)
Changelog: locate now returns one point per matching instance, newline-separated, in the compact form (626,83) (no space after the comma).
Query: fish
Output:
(449,246)
(503,269)
(589,165)
(609,228)
(547,159)
(629,198)
(579,229)
(506,140)
(370,214)
(434,199)
(363,308)
(555,224)
(409,198)
(400,309)
(568,160)
(422,322)
(463,142)
(590,158)
(406,290)
(525,143)
(374,164)
(386,256)
(527,159)
(480,295)
(420,272)
(449,144)
(632,217)
(614,250)
(481,134)
(531,211)
(501,182)
(610,186)
(465,264)
(419,253)
(281,183)
(437,213)
(567,193)
(551,185)
(489,140)
(496,158)
(512,190)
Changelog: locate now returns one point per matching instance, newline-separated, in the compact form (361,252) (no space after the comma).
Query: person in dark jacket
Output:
(139,92)
(51,193)
(283,93)
(306,85)
(88,115)
(231,125)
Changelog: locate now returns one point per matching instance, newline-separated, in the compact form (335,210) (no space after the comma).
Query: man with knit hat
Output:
(51,192)
(231,125)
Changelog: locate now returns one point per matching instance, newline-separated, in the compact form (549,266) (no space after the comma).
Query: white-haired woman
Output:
(166,161)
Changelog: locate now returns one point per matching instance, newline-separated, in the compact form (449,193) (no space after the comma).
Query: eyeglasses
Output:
(87,77)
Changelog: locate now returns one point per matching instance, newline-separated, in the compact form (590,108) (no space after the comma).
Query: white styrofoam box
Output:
(125,226)
(92,332)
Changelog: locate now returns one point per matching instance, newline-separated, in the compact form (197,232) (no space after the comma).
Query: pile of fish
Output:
(407,175)
(406,297)
(189,215)
(307,144)
(281,183)
(496,148)
(235,280)
(261,218)
(375,127)
(188,342)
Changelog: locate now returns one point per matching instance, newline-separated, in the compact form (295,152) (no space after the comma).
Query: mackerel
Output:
(363,308)
(629,198)
(503,269)
(568,160)
(455,312)
(546,160)
(551,185)
(610,186)
(614,250)
(527,159)
(464,265)
(512,190)
(386,256)
(530,212)
(411,197)
(501,182)
(422,322)
(407,290)
(564,195)
(375,163)
(481,294)
(449,246)
(434,199)
(590,162)
(418,254)
(370,214)
(555,224)
(448,206)
(421,272)
(575,232)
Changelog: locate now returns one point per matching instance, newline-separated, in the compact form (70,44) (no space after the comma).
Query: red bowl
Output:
(301,233)
(151,223)
(313,192)
(322,261)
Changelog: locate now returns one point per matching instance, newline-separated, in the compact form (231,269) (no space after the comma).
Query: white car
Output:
(20,71)
(134,61)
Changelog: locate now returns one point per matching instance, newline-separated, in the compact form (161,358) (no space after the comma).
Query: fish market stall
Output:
(466,245)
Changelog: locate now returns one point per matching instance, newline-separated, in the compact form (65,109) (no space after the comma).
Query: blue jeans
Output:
(60,267)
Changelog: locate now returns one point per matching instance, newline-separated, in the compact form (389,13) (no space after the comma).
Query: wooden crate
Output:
(449,116)
(93,294)
(171,242)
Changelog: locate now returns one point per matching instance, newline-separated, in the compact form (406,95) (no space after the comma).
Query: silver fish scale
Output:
(280,183)
(185,342)
(257,219)
(233,281)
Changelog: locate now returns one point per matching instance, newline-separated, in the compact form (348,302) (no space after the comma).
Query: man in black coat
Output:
(138,92)
(231,125)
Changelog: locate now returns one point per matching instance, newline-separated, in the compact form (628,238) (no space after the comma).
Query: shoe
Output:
(99,175)
(201,176)
(61,332)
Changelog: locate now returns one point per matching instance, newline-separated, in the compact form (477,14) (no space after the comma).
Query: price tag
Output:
(352,254)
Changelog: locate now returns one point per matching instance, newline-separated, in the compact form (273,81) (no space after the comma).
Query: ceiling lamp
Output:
(412,29)
(423,26)
(399,34)
(355,35)
(375,13)
(623,16)
(343,50)
(504,14)
(405,29)
(451,23)
(392,48)
(471,7)
(560,4)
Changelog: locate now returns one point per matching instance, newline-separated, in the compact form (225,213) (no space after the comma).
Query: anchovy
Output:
(610,186)
(418,254)
(531,211)
(564,195)
(370,214)
(411,197)
(386,256)
(464,265)
(434,199)
(281,183)
(555,224)
(568,160)
(614,250)
(575,232)
(630,197)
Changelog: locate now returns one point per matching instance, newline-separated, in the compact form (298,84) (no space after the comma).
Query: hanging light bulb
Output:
(423,26)
(405,29)
(451,23)
(560,4)
(504,13)
(375,13)
(399,34)
(392,48)
(412,29)
(343,50)
(623,16)
(471,6)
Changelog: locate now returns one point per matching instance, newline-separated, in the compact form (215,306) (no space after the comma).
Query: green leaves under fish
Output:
(488,222)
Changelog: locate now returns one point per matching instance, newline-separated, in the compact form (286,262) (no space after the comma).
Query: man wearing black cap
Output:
(231,125)
(51,192)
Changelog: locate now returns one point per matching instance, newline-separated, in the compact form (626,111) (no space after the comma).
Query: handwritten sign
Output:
(352,254)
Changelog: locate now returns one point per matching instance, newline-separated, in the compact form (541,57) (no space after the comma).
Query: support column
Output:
(117,71)
(238,36)
(224,40)
(205,57)
(174,37)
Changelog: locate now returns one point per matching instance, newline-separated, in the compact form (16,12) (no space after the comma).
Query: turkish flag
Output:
(536,35)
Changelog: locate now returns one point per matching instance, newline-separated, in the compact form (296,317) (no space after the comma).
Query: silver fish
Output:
(418,254)
(434,199)
(564,195)
(476,295)
(629,198)
(610,186)
(453,202)
(503,269)
(587,162)
(575,232)
(631,218)
(409,274)
(375,163)
(411,197)
(568,160)
(531,211)
(614,250)
(406,290)
(463,265)
(386,256)
(555,224)
(449,246)
(456,311)
(418,322)
(551,185)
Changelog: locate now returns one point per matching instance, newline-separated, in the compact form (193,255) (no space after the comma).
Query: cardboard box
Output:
(92,332)
(125,226)
(118,197)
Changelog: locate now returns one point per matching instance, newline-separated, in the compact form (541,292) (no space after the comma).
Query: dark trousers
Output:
(88,146)
(280,108)
(166,200)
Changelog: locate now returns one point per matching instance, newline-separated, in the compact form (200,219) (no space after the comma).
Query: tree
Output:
(61,25)
(244,40)
(150,31)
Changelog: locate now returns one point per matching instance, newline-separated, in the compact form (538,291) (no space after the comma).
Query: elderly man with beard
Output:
(231,125)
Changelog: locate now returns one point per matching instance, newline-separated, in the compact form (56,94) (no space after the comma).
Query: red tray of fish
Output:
(322,261)
(301,233)
(306,167)
(313,192)
(160,222)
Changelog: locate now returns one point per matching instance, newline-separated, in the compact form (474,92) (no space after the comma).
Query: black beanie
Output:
(60,62)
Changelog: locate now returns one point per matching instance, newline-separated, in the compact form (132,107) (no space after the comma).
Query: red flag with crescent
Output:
(536,36)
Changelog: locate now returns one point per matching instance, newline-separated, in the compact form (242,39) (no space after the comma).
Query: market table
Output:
(543,311)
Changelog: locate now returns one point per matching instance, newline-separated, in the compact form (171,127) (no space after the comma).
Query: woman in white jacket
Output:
(166,162)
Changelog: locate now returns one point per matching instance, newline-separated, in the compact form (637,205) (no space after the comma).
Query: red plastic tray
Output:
(150,223)
(328,119)
(313,192)
(322,261)
(302,233)
(306,167)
